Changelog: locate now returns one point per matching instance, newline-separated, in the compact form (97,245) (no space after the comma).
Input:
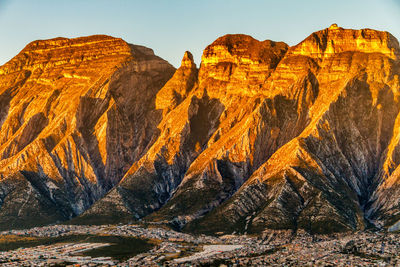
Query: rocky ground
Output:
(272,248)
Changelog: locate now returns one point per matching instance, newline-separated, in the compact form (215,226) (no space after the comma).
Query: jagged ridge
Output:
(261,136)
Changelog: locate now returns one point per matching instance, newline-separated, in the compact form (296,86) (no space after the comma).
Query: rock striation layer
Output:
(261,136)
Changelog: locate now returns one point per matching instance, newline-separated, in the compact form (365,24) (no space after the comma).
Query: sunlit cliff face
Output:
(67,116)
(257,137)
(336,40)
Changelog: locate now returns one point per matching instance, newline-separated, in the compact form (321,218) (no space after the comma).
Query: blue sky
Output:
(171,27)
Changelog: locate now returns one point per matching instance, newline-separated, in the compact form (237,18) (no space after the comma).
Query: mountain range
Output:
(262,135)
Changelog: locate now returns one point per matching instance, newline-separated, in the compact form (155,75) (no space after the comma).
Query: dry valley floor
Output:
(152,245)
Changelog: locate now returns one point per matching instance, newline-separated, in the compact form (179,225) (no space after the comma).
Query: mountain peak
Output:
(187,60)
(241,46)
(334,26)
(241,60)
(261,136)
(334,40)
(178,87)
(80,94)
(41,53)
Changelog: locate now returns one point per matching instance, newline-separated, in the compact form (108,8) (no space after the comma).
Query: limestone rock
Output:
(68,114)
(179,86)
(333,175)
(295,136)
(261,136)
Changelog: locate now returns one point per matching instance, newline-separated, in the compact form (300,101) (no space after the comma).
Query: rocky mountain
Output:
(261,136)
(75,114)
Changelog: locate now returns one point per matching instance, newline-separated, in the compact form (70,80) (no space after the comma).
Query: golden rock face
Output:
(260,136)
(238,64)
(336,40)
(67,109)
(179,86)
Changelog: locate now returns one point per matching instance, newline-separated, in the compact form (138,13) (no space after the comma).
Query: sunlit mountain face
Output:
(260,136)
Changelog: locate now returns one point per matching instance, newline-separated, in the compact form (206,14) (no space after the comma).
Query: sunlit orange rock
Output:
(179,86)
(67,114)
(261,136)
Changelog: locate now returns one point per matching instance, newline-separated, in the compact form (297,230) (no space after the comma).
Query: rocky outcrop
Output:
(262,135)
(179,86)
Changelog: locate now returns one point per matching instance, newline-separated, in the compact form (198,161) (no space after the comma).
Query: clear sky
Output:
(171,27)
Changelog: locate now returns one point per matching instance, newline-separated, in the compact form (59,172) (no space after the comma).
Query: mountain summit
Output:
(261,136)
